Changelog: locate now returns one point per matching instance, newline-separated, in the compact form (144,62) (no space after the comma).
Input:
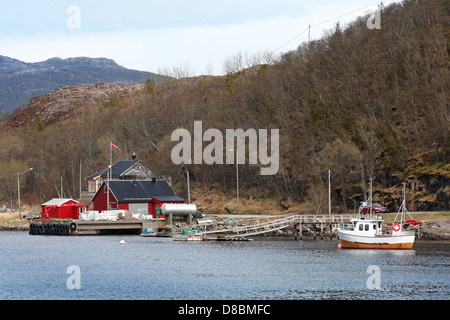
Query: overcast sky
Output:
(150,35)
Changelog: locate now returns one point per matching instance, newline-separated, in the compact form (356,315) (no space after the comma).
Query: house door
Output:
(138,208)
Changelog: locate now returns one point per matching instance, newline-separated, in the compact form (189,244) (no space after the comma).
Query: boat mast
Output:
(402,210)
(403,218)
(370,197)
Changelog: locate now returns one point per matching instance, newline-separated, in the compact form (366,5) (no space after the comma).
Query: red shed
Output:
(62,209)
(136,196)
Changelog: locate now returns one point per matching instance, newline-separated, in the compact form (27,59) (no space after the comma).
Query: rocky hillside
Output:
(61,104)
(20,81)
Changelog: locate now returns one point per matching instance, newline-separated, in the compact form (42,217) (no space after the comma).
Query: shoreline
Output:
(429,230)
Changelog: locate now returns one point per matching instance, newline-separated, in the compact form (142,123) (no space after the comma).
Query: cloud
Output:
(153,49)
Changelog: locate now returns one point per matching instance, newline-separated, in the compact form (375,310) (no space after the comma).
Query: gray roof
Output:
(58,202)
(135,191)
(118,169)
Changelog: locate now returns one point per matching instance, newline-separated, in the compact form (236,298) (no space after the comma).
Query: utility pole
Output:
(370,198)
(18,189)
(80,177)
(237,175)
(309,34)
(189,189)
(329,193)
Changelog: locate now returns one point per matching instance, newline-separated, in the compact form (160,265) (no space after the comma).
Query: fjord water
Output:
(36,267)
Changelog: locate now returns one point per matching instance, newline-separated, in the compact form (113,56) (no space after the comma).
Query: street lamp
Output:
(18,187)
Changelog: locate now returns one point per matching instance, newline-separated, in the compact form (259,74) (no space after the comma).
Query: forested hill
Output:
(360,102)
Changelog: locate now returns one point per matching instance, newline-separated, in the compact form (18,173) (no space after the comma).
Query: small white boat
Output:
(190,235)
(366,233)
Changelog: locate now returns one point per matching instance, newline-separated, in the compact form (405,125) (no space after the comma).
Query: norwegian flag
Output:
(114,146)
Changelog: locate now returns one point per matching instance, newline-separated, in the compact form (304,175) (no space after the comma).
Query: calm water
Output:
(35,267)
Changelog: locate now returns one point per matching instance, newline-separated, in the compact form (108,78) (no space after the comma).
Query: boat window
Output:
(366,227)
(361,227)
(374,227)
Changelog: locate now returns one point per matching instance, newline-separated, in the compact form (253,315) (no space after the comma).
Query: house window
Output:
(106,188)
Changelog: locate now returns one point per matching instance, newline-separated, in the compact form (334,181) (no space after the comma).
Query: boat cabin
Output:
(369,227)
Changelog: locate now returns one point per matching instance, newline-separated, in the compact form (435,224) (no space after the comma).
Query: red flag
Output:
(114,146)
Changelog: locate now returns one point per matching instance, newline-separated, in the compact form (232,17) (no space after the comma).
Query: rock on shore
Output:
(433,229)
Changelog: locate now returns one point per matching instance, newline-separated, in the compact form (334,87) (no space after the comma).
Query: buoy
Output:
(122,241)
(339,246)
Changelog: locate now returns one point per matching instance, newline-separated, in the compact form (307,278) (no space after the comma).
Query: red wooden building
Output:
(60,208)
(136,196)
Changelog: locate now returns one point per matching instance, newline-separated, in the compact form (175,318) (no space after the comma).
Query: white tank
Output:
(178,209)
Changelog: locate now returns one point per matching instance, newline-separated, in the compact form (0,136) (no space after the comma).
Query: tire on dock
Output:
(50,229)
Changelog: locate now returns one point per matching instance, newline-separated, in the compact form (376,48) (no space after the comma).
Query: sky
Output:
(153,35)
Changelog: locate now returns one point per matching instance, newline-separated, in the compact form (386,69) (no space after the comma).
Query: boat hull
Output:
(153,235)
(403,241)
(383,246)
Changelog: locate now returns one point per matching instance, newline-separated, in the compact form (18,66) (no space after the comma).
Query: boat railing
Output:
(346,226)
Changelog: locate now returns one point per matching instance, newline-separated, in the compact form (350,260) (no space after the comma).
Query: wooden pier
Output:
(64,227)
(317,222)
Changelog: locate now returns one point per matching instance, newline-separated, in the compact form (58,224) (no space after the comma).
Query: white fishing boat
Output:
(366,232)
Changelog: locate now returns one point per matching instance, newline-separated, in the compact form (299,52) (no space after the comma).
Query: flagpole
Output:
(109,172)
(108,176)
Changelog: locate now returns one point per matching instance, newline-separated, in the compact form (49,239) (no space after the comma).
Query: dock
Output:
(64,227)
(318,223)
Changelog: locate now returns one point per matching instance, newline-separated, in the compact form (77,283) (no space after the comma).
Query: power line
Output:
(317,24)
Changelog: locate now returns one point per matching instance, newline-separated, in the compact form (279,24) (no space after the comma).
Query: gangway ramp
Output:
(274,225)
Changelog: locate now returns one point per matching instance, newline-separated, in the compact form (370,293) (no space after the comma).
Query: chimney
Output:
(133,157)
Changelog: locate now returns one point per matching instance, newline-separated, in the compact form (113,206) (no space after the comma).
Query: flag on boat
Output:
(114,146)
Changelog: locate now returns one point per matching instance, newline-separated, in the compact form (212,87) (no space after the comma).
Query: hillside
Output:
(62,104)
(20,81)
(360,102)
